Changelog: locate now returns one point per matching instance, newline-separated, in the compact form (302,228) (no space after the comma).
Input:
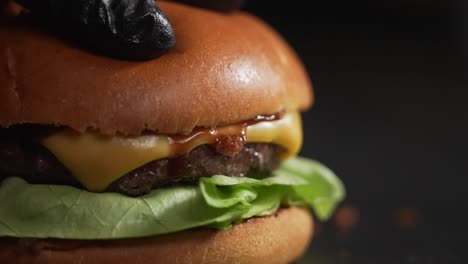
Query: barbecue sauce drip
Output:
(227,140)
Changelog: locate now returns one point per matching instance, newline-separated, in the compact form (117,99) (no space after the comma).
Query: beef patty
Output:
(24,157)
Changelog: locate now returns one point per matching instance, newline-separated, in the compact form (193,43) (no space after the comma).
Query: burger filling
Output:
(36,164)
(136,165)
(58,183)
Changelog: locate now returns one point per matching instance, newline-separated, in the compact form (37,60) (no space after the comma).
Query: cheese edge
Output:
(88,156)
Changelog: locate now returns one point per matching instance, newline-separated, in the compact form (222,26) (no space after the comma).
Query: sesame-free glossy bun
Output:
(281,238)
(225,68)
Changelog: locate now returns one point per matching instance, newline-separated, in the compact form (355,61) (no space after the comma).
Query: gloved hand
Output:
(128,29)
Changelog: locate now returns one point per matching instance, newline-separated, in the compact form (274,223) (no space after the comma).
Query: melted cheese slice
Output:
(96,161)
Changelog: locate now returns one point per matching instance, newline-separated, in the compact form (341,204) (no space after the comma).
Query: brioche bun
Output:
(225,68)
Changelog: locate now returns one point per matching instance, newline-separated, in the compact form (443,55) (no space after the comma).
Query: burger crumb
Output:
(406,218)
(346,218)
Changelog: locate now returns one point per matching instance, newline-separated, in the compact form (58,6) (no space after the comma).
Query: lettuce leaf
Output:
(51,211)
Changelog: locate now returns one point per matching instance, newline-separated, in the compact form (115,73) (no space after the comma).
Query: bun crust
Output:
(281,238)
(225,68)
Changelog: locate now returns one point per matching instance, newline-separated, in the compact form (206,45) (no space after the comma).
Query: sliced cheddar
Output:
(96,161)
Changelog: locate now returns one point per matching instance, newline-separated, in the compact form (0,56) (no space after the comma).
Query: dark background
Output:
(390,118)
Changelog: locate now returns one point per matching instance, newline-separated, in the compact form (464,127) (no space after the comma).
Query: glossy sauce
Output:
(225,139)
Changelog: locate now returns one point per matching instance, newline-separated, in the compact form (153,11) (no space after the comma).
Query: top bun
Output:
(225,68)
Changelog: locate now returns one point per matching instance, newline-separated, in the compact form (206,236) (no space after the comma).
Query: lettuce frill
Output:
(52,211)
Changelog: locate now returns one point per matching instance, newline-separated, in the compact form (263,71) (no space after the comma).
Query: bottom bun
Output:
(280,238)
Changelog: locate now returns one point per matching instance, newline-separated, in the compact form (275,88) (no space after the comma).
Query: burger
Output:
(190,157)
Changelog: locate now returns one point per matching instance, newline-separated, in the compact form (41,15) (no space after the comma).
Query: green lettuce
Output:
(51,211)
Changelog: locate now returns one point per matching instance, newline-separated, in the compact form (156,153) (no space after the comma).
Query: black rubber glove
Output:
(128,29)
